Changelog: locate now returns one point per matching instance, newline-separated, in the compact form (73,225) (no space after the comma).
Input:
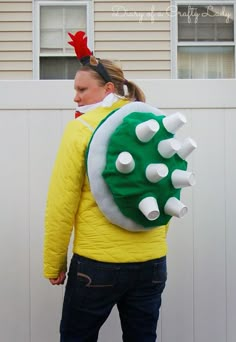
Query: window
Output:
(205,41)
(55,58)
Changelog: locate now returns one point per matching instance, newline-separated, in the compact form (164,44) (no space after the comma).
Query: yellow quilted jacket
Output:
(71,204)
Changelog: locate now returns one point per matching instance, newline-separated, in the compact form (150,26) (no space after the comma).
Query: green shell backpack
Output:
(137,168)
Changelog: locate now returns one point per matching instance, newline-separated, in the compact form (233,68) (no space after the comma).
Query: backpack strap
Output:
(85,124)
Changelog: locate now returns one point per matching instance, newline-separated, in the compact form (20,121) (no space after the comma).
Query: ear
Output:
(109,87)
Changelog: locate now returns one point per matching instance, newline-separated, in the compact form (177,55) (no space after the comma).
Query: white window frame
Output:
(174,31)
(36,29)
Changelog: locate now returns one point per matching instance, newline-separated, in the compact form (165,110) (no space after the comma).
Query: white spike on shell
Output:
(125,162)
(175,207)
(155,172)
(146,130)
(187,147)
(173,122)
(167,148)
(181,179)
(149,207)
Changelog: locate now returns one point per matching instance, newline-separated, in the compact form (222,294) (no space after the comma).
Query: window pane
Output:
(205,23)
(206,62)
(75,18)
(51,41)
(55,23)
(51,17)
(58,68)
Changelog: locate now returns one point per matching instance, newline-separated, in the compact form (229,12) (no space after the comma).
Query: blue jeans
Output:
(93,288)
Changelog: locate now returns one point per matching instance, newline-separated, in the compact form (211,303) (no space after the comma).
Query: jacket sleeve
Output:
(63,198)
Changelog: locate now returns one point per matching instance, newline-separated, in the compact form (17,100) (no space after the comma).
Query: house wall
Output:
(200,299)
(137,33)
(16,39)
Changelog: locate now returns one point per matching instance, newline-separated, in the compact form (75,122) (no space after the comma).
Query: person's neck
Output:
(106,102)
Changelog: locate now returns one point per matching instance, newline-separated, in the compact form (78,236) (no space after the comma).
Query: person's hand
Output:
(59,280)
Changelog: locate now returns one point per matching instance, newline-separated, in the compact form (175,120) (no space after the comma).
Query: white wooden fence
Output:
(199,303)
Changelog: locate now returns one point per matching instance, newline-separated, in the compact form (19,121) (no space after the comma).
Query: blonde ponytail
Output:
(134,92)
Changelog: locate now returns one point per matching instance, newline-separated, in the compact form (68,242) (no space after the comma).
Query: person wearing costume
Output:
(112,263)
